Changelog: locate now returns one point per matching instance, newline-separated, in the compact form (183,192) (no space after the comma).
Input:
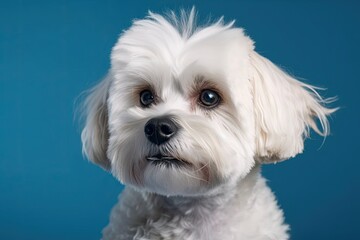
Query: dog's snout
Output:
(159,130)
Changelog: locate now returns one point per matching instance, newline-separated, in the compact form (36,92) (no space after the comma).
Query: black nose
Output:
(159,130)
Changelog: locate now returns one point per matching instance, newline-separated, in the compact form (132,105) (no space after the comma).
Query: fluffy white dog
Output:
(185,118)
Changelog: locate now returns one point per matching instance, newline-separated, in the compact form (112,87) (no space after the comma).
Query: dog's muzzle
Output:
(159,130)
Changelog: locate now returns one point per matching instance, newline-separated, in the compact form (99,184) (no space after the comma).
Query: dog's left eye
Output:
(209,98)
(146,98)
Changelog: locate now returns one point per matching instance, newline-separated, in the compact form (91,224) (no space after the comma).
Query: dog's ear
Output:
(285,110)
(95,134)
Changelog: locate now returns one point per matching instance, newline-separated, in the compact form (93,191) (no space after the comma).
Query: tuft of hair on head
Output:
(186,22)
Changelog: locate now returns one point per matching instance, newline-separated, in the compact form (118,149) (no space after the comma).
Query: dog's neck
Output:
(234,211)
(198,207)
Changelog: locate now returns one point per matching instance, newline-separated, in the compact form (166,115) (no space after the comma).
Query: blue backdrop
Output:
(50,51)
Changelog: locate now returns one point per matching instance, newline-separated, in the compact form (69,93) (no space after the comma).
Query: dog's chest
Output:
(252,214)
(190,227)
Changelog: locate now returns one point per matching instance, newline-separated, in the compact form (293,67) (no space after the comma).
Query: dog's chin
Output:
(171,175)
(173,179)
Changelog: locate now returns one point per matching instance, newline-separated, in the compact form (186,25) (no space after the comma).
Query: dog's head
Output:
(187,111)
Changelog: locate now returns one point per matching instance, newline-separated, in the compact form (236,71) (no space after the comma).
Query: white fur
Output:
(264,116)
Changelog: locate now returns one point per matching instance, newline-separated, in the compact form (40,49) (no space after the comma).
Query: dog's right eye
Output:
(209,98)
(146,98)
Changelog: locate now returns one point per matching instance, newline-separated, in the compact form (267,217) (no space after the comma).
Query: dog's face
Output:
(189,112)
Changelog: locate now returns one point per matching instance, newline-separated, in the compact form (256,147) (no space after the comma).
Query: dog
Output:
(184,119)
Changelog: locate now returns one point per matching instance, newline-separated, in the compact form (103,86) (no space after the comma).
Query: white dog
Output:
(185,118)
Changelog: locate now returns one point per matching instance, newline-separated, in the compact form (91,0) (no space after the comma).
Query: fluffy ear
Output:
(285,110)
(95,134)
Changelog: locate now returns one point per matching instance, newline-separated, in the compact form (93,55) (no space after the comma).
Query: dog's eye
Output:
(146,98)
(209,98)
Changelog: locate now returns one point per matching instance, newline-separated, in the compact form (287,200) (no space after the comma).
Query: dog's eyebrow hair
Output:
(199,79)
(201,82)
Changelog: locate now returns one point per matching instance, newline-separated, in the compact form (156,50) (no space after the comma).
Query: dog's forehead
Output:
(158,53)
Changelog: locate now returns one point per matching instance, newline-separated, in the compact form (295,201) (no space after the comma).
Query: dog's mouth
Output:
(167,161)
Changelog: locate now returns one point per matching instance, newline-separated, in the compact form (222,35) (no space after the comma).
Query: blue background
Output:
(50,51)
